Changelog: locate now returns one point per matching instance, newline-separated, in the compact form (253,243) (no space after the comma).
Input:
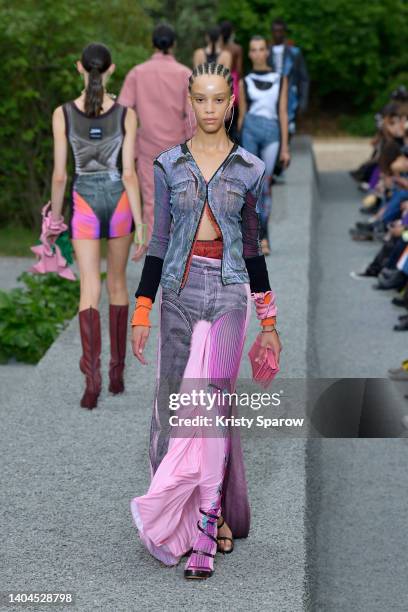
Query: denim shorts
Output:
(100,207)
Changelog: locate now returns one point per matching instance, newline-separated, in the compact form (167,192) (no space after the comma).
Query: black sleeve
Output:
(252,250)
(258,274)
(156,252)
(150,279)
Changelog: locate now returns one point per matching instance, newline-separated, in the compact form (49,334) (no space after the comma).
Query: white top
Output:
(262,93)
(277,51)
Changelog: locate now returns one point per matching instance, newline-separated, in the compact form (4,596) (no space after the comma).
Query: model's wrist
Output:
(268,328)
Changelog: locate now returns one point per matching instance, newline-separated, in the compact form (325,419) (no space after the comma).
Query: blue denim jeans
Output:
(261,136)
(393,206)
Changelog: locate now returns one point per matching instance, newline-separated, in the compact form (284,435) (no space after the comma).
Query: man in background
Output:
(157,90)
(288,60)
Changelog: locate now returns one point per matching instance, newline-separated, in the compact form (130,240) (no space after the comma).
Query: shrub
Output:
(31,317)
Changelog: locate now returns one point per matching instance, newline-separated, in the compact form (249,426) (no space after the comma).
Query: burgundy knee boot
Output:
(90,362)
(118,321)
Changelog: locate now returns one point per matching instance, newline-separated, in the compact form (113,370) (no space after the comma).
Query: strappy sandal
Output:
(222,550)
(201,572)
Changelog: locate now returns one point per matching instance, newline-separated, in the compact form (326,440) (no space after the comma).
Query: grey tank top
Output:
(96,142)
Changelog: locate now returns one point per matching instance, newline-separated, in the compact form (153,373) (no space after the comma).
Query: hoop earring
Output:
(232,119)
(226,111)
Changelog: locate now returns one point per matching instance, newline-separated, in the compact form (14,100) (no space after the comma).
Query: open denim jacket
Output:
(233,195)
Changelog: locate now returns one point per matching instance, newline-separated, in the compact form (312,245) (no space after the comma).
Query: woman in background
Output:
(213,52)
(263,122)
(229,44)
(105,204)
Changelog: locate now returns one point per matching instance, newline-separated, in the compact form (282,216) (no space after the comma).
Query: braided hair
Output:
(213,68)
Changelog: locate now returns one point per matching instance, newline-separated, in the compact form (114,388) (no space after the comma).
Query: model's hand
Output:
(270,340)
(284,157)
(140,334)
(138,251)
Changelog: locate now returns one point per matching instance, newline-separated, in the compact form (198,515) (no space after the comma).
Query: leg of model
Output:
(226,340)
(249,136)
(117,257)
(269,155)
(88,257)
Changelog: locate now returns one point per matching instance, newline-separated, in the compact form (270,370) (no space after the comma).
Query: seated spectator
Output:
(392,185)
(387,124)
(389,217)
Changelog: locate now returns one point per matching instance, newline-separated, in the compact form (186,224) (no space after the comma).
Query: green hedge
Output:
(31,317)
(355,53)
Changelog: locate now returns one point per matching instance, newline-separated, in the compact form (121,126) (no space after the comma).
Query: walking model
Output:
(208,189)
(213,52)
(105,204)
(157,91)
(263,119)
(229,44)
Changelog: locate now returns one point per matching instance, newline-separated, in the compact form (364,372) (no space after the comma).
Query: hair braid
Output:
(211,68)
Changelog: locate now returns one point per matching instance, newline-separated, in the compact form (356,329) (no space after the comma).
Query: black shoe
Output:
(368,273)
(360,236)
(395,280)
(400,302)
(219,538)
(387,272)
(402,326)
(361,225)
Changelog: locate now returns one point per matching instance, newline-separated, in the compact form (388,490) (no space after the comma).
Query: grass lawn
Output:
(15,241)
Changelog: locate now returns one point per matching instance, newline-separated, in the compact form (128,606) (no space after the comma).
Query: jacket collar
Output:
(237,152)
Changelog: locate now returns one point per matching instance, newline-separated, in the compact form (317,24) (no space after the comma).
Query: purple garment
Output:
(201,342)
(374,178)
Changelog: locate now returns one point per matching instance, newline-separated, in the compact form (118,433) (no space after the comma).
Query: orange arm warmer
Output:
(141,312)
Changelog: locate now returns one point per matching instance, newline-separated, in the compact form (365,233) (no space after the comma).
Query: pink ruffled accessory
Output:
(264,310)
(50,258)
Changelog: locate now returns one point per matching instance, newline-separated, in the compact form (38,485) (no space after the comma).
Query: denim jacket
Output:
(233,194)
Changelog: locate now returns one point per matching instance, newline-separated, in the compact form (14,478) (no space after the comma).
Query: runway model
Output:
(213,52)
(263,121)
(105,204)
(209,266)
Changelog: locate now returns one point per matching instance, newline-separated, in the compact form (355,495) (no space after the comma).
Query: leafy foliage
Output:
(354,52)
(190,19)
(355,55)
(31,317)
